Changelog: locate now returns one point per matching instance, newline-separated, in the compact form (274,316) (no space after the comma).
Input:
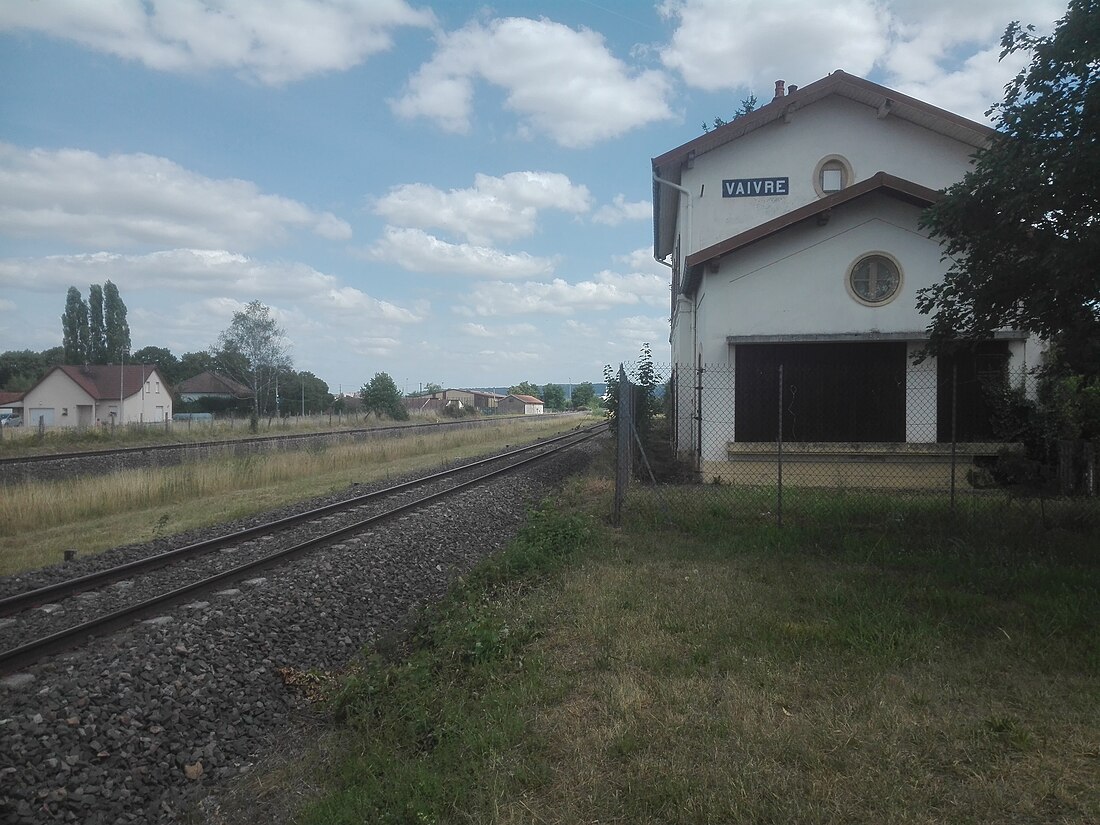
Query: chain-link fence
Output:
(807,433)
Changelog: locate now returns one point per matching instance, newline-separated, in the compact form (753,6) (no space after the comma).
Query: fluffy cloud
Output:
(607,290)
(562,82)
(417,251)
(494,208)
(619,210)
(749,44)
(273,44)
(134,200)
(723,45)
(198,271)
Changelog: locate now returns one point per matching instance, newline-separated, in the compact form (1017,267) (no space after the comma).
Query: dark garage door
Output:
(831,392)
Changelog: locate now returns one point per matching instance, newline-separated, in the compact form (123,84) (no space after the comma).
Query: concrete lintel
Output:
(841,337)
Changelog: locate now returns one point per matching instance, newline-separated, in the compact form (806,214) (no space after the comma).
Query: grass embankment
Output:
(716,671)
(16,442)
(39,520)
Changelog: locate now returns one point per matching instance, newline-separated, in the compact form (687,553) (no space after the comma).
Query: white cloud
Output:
(922,61)
(722,45)
(6,305)
(133,200)
(641,260)
(273,43)
(501,208)
(619,210)
(477,330)
(917,45)
(237,278)
(562,82)
(417,251)
(605,291)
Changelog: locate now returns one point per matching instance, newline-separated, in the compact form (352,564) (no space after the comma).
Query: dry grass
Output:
(40,520)
(720,672)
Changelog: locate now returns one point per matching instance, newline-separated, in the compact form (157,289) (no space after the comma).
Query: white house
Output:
(793,236)
(69,396)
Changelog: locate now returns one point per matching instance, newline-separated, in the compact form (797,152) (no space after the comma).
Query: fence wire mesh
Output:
(811,435)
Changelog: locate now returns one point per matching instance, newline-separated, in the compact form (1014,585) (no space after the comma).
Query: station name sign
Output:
(755,187)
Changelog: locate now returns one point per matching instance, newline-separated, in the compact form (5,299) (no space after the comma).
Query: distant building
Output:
(212,385)
(520,405)
(69,396)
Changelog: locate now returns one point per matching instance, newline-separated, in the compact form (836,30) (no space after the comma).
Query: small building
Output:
(212,386)
(520,405)
(71,396)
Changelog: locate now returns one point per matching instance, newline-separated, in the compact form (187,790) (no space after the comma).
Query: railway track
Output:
(63,615)
(286,438)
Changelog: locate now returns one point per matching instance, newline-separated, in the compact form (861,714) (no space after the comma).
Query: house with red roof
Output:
(84,396)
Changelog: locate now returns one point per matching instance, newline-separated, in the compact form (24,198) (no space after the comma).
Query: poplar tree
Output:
(97,338)
(117,330)
(74,328)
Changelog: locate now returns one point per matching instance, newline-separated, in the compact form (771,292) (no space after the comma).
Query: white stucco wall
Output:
(57,393)
(832,126)
(795,282)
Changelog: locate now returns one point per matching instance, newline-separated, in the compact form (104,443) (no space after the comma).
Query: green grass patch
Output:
(443,728)
(714,668)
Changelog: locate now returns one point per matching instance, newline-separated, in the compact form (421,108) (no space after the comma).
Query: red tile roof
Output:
(102,381)
(527,399)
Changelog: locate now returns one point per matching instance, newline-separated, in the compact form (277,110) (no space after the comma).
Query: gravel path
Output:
(136,727)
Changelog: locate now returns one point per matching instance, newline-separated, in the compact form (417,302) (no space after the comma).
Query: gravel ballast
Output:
(137,726)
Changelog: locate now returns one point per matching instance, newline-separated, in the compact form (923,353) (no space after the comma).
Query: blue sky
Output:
(450,192)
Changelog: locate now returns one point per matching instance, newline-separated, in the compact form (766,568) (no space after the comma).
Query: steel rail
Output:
(36,649)
(70,587)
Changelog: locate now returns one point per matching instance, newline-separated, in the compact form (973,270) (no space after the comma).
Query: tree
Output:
(524,388)
(313,390)
(97,333)
(748,104)
(164,359)
(583,395)
(21,369)
(116,328)
(74,328)
(1021,229)
(382,397)
(195,363)
(553,396)
(252,350)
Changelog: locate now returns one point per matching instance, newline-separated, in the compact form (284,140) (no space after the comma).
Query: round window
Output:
(874,279)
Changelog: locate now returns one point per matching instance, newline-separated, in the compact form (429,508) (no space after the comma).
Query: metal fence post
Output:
(779,457)
(624,426)
(954,410)
(699,417)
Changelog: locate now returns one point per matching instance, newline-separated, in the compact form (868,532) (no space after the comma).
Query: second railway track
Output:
(48,619)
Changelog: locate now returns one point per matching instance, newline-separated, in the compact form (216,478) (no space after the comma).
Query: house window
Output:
(874,279)
(158,388)
(833,173)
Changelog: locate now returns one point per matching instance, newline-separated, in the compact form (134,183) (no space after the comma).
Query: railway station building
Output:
(794,239)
